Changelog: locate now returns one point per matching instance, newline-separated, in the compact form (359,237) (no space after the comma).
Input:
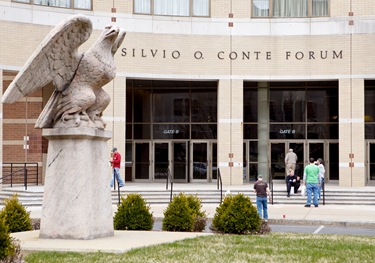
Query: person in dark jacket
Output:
(292,180)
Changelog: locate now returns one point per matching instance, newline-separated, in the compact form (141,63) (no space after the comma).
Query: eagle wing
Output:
(55,60)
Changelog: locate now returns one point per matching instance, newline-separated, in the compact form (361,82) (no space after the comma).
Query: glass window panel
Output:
(287,131)
(203,131)
(201,7)
(369,131)
(250,131)
(142,106)
(290,8)
(82,4)
(171,131)
(261,8)
(253,152)
(322,105)
(128,152)
(171,106)
(287,105)
(129,132)
(22,1)
(59,3)
(129,102)
(203,105)
(142,6)
(322,131)
(320,7)
(250,105)
(142,131)
(172,7)
(370,105)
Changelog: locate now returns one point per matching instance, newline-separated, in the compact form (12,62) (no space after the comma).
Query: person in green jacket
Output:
(311,181)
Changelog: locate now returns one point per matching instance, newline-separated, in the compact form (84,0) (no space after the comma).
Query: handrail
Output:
(21,171)
(323,189)
(220,181)
(169,177)
(270,178)
(118,185)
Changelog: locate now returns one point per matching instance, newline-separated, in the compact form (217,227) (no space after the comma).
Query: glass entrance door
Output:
(278,160)
(161,160)
(142,161)
(170,157)
(199,159)
(179,160)
(299,149)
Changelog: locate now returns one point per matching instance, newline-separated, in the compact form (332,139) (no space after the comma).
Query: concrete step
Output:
(333,197)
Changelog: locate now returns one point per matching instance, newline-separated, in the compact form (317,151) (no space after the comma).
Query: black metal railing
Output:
(270,179)
(220,184)
(116,182)
(20,173)
(170,179)
(323,190)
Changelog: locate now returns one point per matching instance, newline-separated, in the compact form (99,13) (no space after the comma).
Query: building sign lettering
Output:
(287,131)
(234,55)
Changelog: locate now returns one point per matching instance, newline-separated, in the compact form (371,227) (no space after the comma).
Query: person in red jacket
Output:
(116,163)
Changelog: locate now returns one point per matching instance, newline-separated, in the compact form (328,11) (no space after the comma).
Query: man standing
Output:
(290,161)
(311,180)
(261,190)
(116,163)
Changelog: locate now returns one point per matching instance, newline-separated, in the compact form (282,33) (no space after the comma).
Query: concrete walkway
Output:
(357,216)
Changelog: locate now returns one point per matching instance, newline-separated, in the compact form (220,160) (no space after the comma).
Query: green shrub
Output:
(133,214)
(236,215)
(184,214)
(6,246)
(15,215)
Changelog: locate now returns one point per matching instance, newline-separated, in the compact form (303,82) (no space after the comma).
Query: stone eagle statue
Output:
(78,99)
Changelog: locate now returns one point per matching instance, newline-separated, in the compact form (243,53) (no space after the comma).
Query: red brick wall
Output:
(18,121)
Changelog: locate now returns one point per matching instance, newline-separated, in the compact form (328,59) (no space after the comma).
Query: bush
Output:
(15,215)
(236,215)
(184,214)
(133,214)
(6,246)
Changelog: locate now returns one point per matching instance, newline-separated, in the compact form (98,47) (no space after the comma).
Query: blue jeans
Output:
(116,172)
(262,207)
(310,188)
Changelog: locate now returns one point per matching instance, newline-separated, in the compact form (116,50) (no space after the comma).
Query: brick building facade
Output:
(227,89)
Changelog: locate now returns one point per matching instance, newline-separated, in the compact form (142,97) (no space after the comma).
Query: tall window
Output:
(76,4)
(172,7)
(290,8)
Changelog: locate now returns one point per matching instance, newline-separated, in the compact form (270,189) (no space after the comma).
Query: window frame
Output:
(31,2)
(309,11)
(152,13)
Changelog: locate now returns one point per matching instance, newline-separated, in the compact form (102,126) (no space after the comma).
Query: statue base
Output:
(77,196)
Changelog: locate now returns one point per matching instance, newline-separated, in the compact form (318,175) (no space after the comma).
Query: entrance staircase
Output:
(209,194)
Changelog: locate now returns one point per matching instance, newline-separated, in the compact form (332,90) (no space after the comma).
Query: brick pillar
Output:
(114,115)
(230,131)
(352,155)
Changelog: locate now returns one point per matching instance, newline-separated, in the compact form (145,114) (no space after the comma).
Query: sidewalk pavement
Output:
(334,215)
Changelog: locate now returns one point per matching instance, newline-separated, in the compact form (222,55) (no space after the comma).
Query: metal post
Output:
(25,177)
(37,174)
(11,175)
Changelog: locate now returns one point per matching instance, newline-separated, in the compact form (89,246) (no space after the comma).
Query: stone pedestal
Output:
(77,196)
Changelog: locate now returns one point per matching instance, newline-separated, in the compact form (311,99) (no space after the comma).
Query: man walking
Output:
(311,181)
(261,190)
(116,163)
(290,161)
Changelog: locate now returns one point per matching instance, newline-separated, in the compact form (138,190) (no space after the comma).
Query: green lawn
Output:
(275,247)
